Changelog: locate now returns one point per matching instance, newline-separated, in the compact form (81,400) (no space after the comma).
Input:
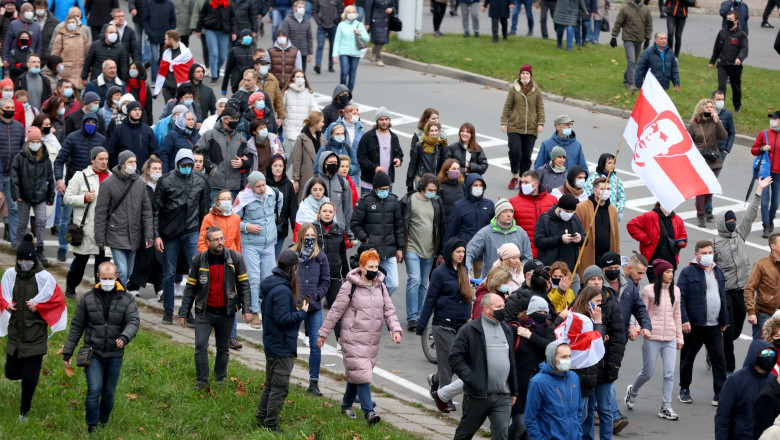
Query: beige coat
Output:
(72,48)
(585,212)
(303,156)
(74,196)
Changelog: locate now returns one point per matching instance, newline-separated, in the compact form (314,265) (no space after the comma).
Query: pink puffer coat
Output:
(361,325)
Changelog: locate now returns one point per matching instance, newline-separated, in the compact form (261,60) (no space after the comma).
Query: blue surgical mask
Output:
(382,193)
(260,105)
(430,195)
(90,129)
(68,92)
(61,111)
(187,102)
(247,40)
(94,108)
(185,170)
(262,134)
(566,132)
(60,68)
(35,70)
(339,139)
(504,288)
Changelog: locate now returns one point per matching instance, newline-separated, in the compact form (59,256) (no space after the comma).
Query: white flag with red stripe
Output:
(49,302)
(665,157)
(587,345)
(180,66)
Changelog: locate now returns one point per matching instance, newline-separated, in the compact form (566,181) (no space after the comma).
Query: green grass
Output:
(155,399)
(594,73)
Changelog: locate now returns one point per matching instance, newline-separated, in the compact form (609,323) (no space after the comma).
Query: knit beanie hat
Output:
(527,68)
(502,206)
(95,151)
(381,179)
(34,134)
(88,97)
(590,272)
(381,112)
(536,304)
(132,105)
(568,202)
(123,156)
(610,259)
(26,249)
(729,215)
(255,177)
(254,97)
(508,250)
(660,266)
(557,152)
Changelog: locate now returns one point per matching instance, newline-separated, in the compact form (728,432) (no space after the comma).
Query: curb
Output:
(475,78)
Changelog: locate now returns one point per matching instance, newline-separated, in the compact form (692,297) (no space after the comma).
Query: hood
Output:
(470,179)
(192,71)
(338,89)
(452,244)
(269,179)
(277,278)
(563,142)
(720,223)
(324,157)
(573,171)
(753,352)
(354,277)
(182,153)
(549,353)
(89,115)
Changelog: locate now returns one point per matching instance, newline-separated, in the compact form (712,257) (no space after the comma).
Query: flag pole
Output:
(590,227)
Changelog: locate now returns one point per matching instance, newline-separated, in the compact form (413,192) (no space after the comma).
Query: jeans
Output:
(279,247)
(322,34)
(472,10)
(418,269)
(570,36)
(221,323)
(313,322)
(604,397)
(521,147)
(125,261)
(770,200)
(154,59)
(443,337)
(711,337)
(586,26)
(27,370)
(67,212)
(219,45)
(13,215)
(757,328)
(633,49)
(390,265)
(349,67)
(650,352)
(259,263)
(278,14)
(528,4)
(363,392)
(57,209)
(143,42)
(734,75)
(102,376)
(277,386)
(594,31)
(737,311)
(496,406)
(674,27)
(187,243)
(546,6)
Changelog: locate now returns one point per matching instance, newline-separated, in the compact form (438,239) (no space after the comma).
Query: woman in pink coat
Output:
(362,310)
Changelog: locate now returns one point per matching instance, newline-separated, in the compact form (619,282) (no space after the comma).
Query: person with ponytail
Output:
(331,240)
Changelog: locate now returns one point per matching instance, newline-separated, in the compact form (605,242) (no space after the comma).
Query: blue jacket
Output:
(727,119)
(175,140)
(262,214)
(693,290)
(314,277)
(75,150)
(469,214)
(741,8)
(17,26)
(444,300)
(663,66)
(159,16)
(631,303)
(553,405)
(281,318)
(734,416)
(12,139)
(134,136)
(349,148)
(573,147)
(60,9)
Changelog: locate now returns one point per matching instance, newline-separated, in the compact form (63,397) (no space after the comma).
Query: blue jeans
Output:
(143,42)
(571,34)
(528,4)
(125,261)
(313,323)
(187,243)
(322,34)
(219,45)
(418,270)
(154,59)
(363,391)
(595,31)
(604,396)
(349,67)
(67,212)
(279,247)
(585,28)
(770,200)
(762,318)
(102,376)
(278,14)
(13,215)
(259,262)
(390,265)
(57,209)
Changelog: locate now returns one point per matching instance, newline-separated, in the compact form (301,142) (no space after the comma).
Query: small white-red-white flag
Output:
(665,157)
(587,345)
(49,302)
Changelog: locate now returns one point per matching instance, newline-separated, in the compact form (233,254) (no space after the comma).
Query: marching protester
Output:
(760,291)
(604,228)
(372,155)
(553,173)
(574,184)
(467,143)
(451,180)
(501,229)
(470,214)
(766,143)
(530,203)
(730,51)
(285,219)
(331,241)
(221,216)
(661,236)
(559,233)
(546,416)
(606,168)
(706,129)
(523,121)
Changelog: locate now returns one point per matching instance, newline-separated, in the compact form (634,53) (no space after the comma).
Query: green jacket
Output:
(523,113)
(636,22)
(28,333)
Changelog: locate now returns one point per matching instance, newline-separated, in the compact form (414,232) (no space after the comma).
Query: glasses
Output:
(767,352)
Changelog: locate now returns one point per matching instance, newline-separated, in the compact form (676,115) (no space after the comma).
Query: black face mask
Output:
(332,168)
(232,125)
(776,342)
(499,314)
(612,274)
(766,363)
(324,223)
(45,130)
(706,114)
(8,114)
(539,318)
(730,23)
(371,274)
(24,43)
(731,226)
(555,281)
(343,100)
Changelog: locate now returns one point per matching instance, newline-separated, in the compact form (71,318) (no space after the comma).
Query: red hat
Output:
(526,68)
(6,82)
(660,266)
(34,134)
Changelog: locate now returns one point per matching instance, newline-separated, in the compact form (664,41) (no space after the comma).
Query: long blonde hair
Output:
(699,109)
(298,245)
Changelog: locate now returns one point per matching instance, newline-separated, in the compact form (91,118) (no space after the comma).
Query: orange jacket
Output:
(230,225)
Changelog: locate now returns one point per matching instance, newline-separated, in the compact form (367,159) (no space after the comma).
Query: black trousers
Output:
(674,29)
(521,146)
(78,266)
(770,6)
(28,370)
(711,337)
(734,74)
(438,13)
(494,27)
(737,312)
(546,5)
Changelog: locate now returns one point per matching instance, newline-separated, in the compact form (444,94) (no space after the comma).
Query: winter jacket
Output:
(368,155)
(230,225)
(771,138)
(529,208)
(567,12)
(349,147)
(730,45)
(731,250)
(766,409)
(332,244)
(586,212)
(281,318)
(299,34)
(679,8)
(518,301)
(706,134)
(100,331)
(75,196)
(529,353)
(100,86)
(18,26)
(615,345)
(61,9)
(618,196)
(331,111)
(204,95)
(693,291)
(133,136)
(249,115)
(246,15)
(485,242)
(635,21)
(761,294)
(549,179)
(548,239)
(444,300)
(327,13)
(235,283)
(646,229)
(298,103)
(523,113)
(478,163)
(740,8)
(379,20)
(100,51)
(128,225)
(289,210)
(314,280)
(303,156)
(284,61)
(727,119)
(22,84)
(239,59)
(734,416)
(419,165)
(469,214)
(175,140)
(339,193)
(346,40)
(468,358)
(219,146)
(222,19)
(362,314)
(32,180)
(631,303)
(554,405)
(73,121)
(661,63)
(183,11)
(573,148)
(497,8)
(47,26)
(75,150)
(98,12)
(262,214)
(175,190)
(450,191)
(12,140)
(665,317)
(28,333)
(270,85)
(380,223)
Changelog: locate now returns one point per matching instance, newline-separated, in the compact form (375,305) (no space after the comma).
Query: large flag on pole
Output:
(49,302)
(665,157)
(587,345)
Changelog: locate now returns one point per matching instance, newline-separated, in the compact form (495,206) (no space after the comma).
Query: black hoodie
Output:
(444,299)
(204,95)
(290,207)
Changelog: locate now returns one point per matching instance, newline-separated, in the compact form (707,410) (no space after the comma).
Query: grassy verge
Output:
(155,399)
(594,73)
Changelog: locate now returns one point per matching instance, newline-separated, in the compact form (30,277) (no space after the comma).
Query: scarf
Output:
(245,197)
(308,248)
(140,85)
(576,192)
(429,143)
(557,170)
(315,140)
(283,179)
(217,3)
(526,88)
(310,207)
(181,123)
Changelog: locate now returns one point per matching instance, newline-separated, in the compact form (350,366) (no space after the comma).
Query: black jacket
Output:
(439,220)
(204,95)
(615,346)
(281,317)
(450,191)
(529,353)
(444,300)
(159,17)
(47,31)
(21,84)
(236,284)
(32,180)
(221,19)
(98,12)
(174,190)
(548,238)
(130,42)
(368,155)
(73,122)
(468,359)
(332,244)
(28,333)
(417,167)
(239,59)
(75,152)
(246,16)
(478,162)
(101,331)
(379,223)
(134,136)
(729,46)
(518,301)
(766,408)
(98,52)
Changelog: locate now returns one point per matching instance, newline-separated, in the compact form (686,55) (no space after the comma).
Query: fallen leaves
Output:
(70,371)
(59,352)
(131,396)
(397,371)
(240,389)
(327,404)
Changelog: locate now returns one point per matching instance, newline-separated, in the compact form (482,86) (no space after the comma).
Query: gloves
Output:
(613,42)
(647,43)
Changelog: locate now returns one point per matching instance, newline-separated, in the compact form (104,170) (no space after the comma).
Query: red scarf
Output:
(101,176)
(258,113)
(217,3)
(140,85)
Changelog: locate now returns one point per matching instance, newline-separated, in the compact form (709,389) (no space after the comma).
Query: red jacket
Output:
(646,229)
(762,140)
(528,209)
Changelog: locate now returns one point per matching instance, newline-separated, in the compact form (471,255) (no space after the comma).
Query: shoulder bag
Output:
(75,232)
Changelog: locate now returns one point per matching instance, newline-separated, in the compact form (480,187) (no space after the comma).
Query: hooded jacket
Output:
(281,317)
(766,412)
(734,416)
(730,248)
(332,244)
(175,140)
(444,300)
(133,136)
(439,215)
(379,222)
(338,191)
(331,111)
(572,146)
(548,238)
(553,407)
(175,192)
(239,59)
(529,353)
(32,179)
(250,115)
(485,242)
(262,213)
(28,333)
(298,103)
(18,26)
(349,147)
(203,94)
(128,225)
(230,225)
(314,277)
(75,150)
(290,207)
(631,303)
(523,113)
(219,146)
(693,289)
(529,208)
(469,214)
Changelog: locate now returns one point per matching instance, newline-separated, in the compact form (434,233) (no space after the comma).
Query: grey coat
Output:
(327,13)
(567,12)
(487,240)
(339,193)
(219,147)
(130,224)
(379,20)
(299,34)
(730,250)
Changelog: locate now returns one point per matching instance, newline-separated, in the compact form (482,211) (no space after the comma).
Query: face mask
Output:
(8,95)
(706,260)
(352,16)
(71,26)
(130,169)
(527,188)
(282,41)
(124,109)
(308,242)
(477,191)
(61,111)
(24,42)
(155,176)
(260,105)
(35,70)
(382,193)
(90,129)
(731,226)
(606,194)
(525,81)
(34,146)
(299,13)
(371,274)
(539,318)
(453,174)
(705,114)
(612,274)
(300,82)
(232,125)
(115,101)
(766,363)
(564,364)
(262,134)
(67,92)
(26,266)
(133,73)
(45,130)
(60,68)
(225,205)
(555,282)
(499,314)
(776,342)
(566,216)
(566,132)
(247,40)
(112,38)
(504,288)
(94,108)
(8,114)
(26,106)
(332,168)
(730,23)
(339,139)
(263,70)
(107,285)
(430,196)
(187,102)
(774,123)
(185,170)
(719,104)
(354,119)
(343,100)
(40,12)
(28,15)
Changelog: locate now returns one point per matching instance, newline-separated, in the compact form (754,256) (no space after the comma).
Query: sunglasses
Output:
(767,352)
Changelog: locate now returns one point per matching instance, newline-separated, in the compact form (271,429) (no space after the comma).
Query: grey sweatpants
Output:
(443,337)
(470,10)
(496,406)
(650,352)
(633,50)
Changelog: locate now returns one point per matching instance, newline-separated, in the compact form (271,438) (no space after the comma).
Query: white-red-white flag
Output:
(587,345)
(665,157)
(180,66)
(49,302)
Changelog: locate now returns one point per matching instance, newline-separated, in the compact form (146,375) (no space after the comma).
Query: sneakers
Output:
(451,405)
(349,413)
(433,382)
(338,347)
(512,183)
(235,345)
(715,400)
(167,319)
(767,25)
(667,413)
(380,63)
(630,397)
(412,325)
(201,385)
(441,405)
(685,395)
(314,388)
(306,342)
(372,418)
(255,323)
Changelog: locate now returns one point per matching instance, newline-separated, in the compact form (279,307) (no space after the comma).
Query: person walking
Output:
(327,15)
(605,230)
(544,415)
(558,234)
(553,174)
(637,25)
(501,229)
(10,145)
(566,138)
(331,240)
(766,143)
(297,27)
(346,51)
(470,214)
(426,156)
(285,221)
(451,188)
(239,60)
(71,45)
(372,152)
(730,51)
(299,101)
(760,292)
(706,129)
(567,18)
(217,19)
(108,319)
(224,150)
(532,201)
(379,15)
(522,120)
(606,168)
(676,15)
(467,143)
(305,151)
(661,236)
(574,184)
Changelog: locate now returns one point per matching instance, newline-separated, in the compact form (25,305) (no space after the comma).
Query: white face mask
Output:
(264,70)
(719,104)
(352,16)
(282,41)
(300,82)
(26,266)
(477,191)
(580,183)
(71,26)
(124,109)
(300,12)
(564,365)
(774,123)
(527,188)
(706,260)
(112,38)
(34,146)
(8,95)
(566,216)
(133,73)
(155,176)
(28,15)
(40,12)
(525,81)
(354,119)
(606,194)
(226,205)
(107,285)
(130,169)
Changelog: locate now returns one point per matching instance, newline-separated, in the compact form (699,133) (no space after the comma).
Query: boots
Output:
(314,388)
(41,257)
(767,230)
(6,233)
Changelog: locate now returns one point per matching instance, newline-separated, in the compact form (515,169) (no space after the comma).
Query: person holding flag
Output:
(174,66)
(30,301)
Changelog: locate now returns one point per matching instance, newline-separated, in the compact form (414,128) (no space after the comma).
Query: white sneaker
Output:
(338,347)
(22,419)
(177,290)
(630,397)
(133,292)
(207,73)
(667,413)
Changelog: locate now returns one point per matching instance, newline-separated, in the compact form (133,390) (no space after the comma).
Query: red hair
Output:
(369,255)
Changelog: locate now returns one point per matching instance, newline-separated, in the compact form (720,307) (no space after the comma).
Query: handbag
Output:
(605,23)
(74,233)
(396,25)
(710,155)
(360,43)
(762,166)
(84,357)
